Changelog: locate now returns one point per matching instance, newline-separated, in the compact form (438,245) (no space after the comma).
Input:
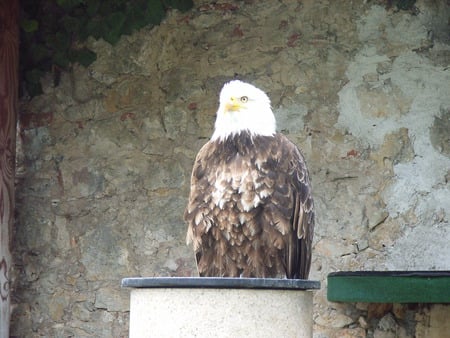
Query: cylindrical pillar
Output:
(220,307)
(9,66)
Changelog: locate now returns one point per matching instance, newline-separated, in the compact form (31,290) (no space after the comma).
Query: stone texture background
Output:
(105,157)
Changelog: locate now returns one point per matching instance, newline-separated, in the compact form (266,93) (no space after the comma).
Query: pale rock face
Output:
(106,156)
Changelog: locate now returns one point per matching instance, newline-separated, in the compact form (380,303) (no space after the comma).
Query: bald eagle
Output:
(250,211)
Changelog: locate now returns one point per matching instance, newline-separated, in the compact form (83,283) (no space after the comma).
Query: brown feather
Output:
(250,211)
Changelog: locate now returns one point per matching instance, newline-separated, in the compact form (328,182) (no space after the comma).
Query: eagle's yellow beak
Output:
(234,104)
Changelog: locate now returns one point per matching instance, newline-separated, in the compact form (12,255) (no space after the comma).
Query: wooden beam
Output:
(9,84)
(389,286)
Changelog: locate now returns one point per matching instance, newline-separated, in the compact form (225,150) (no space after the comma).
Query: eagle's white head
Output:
(243,107)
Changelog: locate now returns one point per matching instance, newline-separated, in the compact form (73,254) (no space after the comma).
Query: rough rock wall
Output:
(362,88)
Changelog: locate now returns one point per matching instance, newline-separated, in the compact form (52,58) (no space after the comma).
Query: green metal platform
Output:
(389,286)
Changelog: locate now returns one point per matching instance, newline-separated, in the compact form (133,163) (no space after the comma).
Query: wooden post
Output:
(9,66)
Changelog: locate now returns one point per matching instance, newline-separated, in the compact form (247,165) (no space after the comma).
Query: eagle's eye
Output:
(244,99)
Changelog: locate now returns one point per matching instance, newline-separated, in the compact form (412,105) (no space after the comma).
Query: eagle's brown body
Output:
(250,210)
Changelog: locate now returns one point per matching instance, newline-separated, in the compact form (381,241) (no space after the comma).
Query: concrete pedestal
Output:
(220,307)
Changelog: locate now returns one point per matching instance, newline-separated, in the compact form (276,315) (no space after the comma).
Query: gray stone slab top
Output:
(220,282)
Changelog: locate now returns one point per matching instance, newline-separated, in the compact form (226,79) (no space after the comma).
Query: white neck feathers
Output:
(243,107)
